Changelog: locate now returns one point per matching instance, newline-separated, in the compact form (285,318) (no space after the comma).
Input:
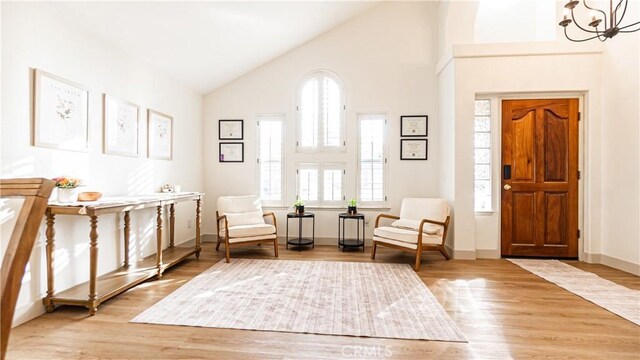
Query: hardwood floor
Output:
(504,311)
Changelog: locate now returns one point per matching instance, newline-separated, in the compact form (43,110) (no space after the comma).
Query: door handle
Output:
(507,187)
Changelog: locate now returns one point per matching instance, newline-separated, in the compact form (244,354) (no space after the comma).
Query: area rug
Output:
(615,298)
(318,297)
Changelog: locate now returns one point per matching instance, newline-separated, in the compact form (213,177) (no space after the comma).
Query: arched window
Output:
(321,112)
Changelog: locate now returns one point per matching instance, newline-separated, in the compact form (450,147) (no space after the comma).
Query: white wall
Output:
(33,38)
(386,59)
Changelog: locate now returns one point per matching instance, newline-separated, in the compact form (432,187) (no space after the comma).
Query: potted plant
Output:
(66,188)
(299,206)
(351,207)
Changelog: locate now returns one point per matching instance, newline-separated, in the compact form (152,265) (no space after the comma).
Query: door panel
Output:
(540,200)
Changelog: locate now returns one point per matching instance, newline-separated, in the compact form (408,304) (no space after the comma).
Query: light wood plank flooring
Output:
(504,311)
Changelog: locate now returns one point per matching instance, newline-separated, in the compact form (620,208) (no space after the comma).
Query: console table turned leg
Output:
(198,223)
(127,234)
(159,241)
(50,247)
(92,304)
(172,224)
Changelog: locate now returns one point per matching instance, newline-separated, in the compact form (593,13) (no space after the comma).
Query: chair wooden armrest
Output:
(444,224)
(388,216)
(226,226)
(273,217)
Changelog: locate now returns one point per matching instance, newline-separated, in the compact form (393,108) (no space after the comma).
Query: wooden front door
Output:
(540,178)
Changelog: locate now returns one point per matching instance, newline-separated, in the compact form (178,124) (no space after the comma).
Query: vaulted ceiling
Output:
(205,45)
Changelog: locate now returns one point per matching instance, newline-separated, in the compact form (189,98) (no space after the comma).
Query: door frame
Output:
(583,182)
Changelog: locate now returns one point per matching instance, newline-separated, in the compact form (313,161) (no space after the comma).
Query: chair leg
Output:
(418,256)
(218,244)
(443,251)
(275,246)
(373,250)
(226,248)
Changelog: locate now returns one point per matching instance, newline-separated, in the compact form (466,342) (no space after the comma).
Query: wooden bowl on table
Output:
(89,196)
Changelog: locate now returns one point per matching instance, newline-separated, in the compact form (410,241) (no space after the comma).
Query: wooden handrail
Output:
(36,193)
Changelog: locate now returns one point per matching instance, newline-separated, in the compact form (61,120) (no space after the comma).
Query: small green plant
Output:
(352,203)
(298,202)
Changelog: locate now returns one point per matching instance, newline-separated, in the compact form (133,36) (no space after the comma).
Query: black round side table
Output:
(350,243)
(300,242)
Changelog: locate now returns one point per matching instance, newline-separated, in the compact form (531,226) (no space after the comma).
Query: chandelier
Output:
(612,21)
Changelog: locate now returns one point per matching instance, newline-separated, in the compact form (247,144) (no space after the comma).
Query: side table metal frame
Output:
(300,243)
(342,240)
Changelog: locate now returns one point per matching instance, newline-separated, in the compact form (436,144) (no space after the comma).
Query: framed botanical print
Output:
(231,152)
(120,127)
(60,113)
(414,125)
(413,149)
(230,129)
(159,135)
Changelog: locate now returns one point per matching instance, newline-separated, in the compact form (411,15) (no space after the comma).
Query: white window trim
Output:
(385,165)
(321,147)
(283,181)
(321,203)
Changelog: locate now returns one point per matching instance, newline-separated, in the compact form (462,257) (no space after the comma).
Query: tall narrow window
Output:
(321,108)
(270,158)
(372,158)
(321,184)
(482,143)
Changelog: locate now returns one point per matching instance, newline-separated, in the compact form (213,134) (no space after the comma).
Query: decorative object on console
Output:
(298,205)
(120,127)
(66,191)
(167,188)
(230,129)
(413,149)
(414,125)
(159,135)
(352,207)
(89,196)
(612,23)
(231,152)
(60,113)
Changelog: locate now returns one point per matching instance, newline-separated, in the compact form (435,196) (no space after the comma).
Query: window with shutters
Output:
(271,158)
(482,156)
(372,159)
(321,184)
(321,113)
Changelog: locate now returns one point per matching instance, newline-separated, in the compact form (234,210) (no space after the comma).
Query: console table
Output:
(101,288)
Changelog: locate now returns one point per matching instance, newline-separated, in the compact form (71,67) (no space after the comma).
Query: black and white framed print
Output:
(230,129)
(231,152)
(414,125)
(413,149)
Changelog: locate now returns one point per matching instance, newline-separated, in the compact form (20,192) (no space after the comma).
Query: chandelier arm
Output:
(580,27)
(580,40)
(630,31)
(606,23)
(624,11)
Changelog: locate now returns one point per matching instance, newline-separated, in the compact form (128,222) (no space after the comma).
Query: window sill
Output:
(328,208)
(484,213)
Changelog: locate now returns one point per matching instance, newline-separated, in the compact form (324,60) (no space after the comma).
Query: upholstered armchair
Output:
(240,221)
(422,225)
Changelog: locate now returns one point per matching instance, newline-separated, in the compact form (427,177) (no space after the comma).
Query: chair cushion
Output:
(241,210)
(249,218)
(405,235)
(251,238)
(395,242)
(424,208)
(249,230)
(410,224)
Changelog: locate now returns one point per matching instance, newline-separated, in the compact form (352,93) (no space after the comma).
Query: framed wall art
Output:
(121,127)
(414,125)
(230,129)
(60,113)
(413,149)
(159,135)
(231,152)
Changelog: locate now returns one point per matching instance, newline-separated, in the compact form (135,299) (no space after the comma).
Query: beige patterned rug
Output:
(618,299)
(319,297)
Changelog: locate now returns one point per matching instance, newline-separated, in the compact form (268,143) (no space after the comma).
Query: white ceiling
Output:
(207,44)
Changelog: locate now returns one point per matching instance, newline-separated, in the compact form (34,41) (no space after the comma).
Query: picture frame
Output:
(230,129)
(159,135)
(414,125)
(231,152)
(60,113)
(121,127)
(413,149)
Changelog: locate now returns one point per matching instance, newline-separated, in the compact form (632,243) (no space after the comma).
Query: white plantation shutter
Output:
(321,184)
(270,158)
(372,156)
(308,183)
(321,113)
(333,184)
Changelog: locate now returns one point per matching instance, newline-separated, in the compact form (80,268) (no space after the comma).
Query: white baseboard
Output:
(27,312)
(488,254)
(461,254)
(626,266)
